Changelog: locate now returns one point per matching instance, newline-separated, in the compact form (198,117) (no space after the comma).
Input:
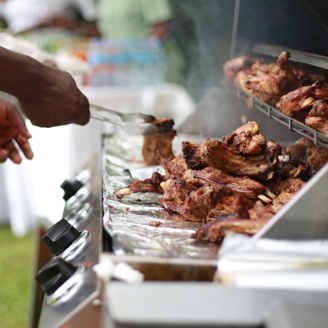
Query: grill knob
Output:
(60,236)
(54,274)
(70,188)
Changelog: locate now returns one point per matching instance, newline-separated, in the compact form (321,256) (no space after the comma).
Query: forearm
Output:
(47,96)
(18,73)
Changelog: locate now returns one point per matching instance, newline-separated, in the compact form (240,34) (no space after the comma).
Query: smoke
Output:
(206,41)
(207,33)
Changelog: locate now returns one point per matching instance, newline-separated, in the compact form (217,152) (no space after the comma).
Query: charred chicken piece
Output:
(215,154)
(308,104)
(237,205)
(190,201)
(159,143)
(238,64)
(270,81)
(247,140)
(147,185)
(260,212)
(316,157)
(291,76)
(318,116)
(244,152)
(313,156)
(215,231)
(174,166)
(317,123)
(265,86)
(298,100)
(299,149)
(243,186)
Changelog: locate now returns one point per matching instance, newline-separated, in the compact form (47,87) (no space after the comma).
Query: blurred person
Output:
(46,96)
(74,15)
(128,19)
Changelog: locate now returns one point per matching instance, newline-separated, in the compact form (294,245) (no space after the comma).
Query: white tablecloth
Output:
(32,189)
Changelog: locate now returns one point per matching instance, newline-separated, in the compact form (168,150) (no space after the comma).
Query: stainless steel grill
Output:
(178,288)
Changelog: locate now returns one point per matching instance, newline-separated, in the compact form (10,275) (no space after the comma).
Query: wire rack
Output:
(318,138)
(311,61)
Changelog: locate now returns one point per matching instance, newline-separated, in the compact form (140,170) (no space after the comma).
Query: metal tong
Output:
(134,123)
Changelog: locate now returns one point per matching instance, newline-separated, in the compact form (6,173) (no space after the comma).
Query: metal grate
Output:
(318,138)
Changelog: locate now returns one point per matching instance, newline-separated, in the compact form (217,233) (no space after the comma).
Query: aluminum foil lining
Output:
(137,223)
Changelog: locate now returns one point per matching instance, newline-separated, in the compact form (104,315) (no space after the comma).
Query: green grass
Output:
(16,272)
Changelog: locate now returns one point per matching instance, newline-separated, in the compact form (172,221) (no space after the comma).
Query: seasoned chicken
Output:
(235,65)
(215,231)
(159,143)
(313,156)
(298,100)
(266,81)
(308,104)
(174,166)
(215,154)
(190,201)
(296,93)
(247,140)
(318,115)
(233,185)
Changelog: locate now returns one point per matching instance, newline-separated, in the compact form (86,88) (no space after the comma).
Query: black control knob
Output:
(60,236)
(54,274)
(70,188)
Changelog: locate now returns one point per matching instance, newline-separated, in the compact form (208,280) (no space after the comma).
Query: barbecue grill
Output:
(168,280)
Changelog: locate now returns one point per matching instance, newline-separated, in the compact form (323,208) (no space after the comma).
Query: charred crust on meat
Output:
(235,184)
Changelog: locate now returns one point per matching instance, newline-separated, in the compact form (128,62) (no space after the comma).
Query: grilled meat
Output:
(266,81)
(215,231)
(233,185)
(298,100)
(147,185)
(239,64)
(308,104)
(318,115)
(190,201)
(296,93)
(246,140)
(159,143)
(317,123)
(237,205)
(316,157)
(215,154)
(313,156)
(174,166)
(292,77)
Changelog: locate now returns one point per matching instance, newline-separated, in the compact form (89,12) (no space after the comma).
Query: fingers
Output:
(84,115)
(7,134)
(4,153)
(12,153)
(25,146)
(12,150)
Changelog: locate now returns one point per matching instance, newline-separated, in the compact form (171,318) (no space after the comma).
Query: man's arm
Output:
(47,96)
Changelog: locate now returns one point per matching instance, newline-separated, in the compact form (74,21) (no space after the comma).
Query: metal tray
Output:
(137,223)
